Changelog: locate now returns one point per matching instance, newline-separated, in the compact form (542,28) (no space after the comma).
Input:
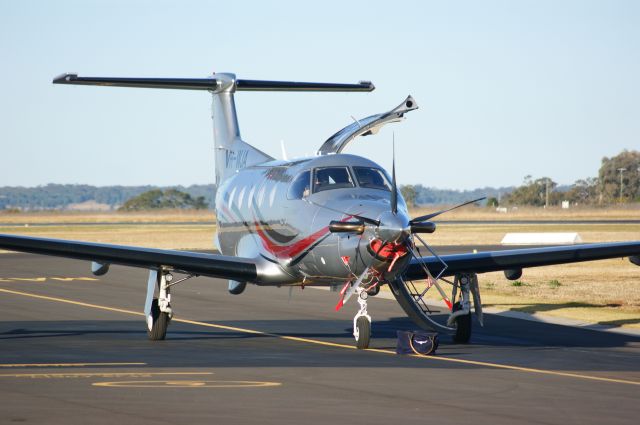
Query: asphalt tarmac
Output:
(73,349)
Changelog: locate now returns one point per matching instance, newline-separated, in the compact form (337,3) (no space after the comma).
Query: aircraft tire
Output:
(463,327)
(373,292)
(364,333)
(161,321)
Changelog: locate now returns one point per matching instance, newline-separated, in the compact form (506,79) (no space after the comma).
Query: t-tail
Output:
(231,152)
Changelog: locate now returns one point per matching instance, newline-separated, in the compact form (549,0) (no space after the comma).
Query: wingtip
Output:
(369,85)
(64,78)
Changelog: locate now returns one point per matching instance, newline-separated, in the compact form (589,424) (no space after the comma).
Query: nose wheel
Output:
(362,321)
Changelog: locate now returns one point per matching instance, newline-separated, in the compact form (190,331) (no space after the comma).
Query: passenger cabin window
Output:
(331,178)
(300,186)
(372,178)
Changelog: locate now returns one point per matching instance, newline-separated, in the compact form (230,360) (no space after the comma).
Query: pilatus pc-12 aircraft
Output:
(329,220)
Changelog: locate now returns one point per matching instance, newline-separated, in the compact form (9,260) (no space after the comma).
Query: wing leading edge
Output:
(241,269)
(514,259)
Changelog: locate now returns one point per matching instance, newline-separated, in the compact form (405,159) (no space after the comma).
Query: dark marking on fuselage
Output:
(236,160)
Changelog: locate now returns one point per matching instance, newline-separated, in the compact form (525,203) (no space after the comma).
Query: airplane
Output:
(332,219)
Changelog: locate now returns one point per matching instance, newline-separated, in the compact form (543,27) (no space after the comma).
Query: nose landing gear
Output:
(362,321)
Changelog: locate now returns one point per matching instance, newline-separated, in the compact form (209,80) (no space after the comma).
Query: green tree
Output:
(168,199)
(409,193)
(583,191)
(492,202)
(609,178)
(533,192)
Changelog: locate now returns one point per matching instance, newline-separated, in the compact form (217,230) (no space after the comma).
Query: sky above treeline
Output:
(505,88)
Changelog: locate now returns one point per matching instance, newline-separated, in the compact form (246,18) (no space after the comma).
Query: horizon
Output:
(560,186)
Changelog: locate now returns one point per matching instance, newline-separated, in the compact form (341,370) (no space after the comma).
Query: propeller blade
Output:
(356,227)
(423,227)
(359,217)
(352,290)
(435,214)
(432,281)
(345,294)
(394,188)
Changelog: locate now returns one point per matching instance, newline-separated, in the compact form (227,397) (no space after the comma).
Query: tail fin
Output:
(231,152)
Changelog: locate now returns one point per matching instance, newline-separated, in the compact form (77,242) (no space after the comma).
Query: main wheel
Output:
(158,322)
(463,327)
(363,332)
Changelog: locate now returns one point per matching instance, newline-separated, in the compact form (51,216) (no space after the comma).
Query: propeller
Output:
(394,186)
(423,218)
(423,227)
(417,225)
(336,226)
(359,217)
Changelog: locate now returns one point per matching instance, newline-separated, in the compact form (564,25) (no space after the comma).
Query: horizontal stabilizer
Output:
(212,84)
(260,85)
(154,83)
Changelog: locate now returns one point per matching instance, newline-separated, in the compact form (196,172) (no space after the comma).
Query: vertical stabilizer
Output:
(232,154)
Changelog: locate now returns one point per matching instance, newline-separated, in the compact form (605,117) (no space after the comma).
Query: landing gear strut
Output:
(158,310)
(362,321)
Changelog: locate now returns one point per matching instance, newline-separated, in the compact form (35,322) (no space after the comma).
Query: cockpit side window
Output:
(372,178)
(331,178)
(300,186)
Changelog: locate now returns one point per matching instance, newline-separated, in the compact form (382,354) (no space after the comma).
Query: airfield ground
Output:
(603,292)
(75,351)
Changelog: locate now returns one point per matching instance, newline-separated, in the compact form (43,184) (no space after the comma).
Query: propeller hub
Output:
(393,228)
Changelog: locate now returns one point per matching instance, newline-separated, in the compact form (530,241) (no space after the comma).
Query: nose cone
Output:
(393,227)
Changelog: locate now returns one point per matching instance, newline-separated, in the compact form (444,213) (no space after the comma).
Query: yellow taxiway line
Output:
(100,374)
(29,365)
(333,344)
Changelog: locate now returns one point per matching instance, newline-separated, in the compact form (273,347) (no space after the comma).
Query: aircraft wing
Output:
(517,259)
(235,268)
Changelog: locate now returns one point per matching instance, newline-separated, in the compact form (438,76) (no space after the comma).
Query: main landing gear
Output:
(157,310)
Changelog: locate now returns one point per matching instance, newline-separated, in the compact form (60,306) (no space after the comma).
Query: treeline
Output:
(618,182)
(61,196)
(420,195)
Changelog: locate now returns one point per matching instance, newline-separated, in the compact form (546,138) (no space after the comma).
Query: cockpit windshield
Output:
(300,186)
(331,178)
(372,178)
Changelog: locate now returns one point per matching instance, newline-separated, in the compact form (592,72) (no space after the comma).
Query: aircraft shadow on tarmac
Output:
(509,341)
(498,332)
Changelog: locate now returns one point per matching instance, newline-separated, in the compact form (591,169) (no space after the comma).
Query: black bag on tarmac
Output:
(420,343)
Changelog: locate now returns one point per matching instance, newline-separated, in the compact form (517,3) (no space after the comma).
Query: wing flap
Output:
(240,269)
(491,261)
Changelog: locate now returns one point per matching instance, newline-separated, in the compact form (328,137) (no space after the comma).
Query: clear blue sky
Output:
(505,88)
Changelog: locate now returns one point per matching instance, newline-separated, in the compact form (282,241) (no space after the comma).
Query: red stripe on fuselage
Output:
(289,251)
(283,252)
